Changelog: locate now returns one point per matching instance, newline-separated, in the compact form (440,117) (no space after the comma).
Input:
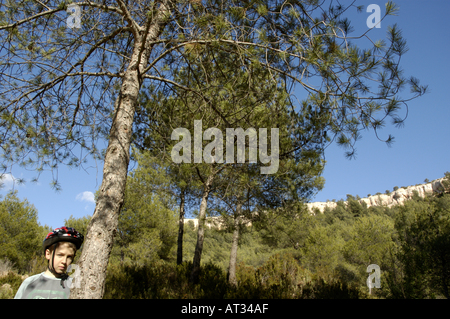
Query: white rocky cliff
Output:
(394,198)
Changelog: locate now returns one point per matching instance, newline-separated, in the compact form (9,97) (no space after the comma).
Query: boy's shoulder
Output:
(43,286)
(33,278)
(28,281)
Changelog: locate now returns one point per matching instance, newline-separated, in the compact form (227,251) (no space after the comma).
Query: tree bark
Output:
(201,230)
(102,227)
(181,229)
(234,246)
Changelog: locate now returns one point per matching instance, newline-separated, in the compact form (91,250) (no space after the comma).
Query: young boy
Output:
(60,247)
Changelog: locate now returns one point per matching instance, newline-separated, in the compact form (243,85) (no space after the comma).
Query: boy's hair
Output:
(56,245)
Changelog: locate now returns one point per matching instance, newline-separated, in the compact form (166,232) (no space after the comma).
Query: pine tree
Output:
(64,88)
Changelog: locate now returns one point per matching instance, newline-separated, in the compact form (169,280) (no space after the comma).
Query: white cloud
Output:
(9,181)
(86,197)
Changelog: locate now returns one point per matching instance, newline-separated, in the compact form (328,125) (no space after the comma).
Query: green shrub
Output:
(9,284)
(280,277)
(334,289)
(161,280)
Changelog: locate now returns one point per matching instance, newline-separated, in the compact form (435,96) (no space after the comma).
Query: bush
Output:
(6,266)
(213,282)
(153,281)
(334,289)
(9,284)
(280,277)
(161,280)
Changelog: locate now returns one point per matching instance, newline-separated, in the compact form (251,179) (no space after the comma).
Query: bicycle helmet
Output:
(63,234)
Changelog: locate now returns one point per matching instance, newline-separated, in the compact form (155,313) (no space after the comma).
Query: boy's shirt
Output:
(42,286)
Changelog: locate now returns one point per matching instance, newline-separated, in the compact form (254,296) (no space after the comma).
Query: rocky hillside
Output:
(394,198)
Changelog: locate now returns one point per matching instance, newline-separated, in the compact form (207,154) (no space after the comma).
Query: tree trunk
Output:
(181,229)
(201,230)
(102,227)
(234,246)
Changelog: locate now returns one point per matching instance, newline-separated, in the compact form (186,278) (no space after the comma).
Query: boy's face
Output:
(64,256)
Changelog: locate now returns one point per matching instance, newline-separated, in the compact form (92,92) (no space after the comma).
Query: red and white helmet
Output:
(63,234)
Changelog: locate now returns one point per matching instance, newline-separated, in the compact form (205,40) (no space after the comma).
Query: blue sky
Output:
(421,148)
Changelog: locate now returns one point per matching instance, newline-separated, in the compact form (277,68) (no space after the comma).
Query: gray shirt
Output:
(42,286)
